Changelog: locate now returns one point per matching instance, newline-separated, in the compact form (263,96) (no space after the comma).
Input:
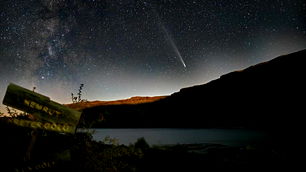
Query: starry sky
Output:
(124,48)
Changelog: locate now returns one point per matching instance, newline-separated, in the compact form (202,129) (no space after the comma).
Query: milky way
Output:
(121,48)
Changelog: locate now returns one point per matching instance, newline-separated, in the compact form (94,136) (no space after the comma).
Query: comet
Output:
(173,45)
(170,40)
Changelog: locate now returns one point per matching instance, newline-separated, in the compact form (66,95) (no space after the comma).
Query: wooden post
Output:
(34,135)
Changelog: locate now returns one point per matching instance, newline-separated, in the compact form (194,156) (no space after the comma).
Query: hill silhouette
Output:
(268,95)
(131,101)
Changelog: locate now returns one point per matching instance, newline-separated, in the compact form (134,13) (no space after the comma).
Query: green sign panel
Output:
(49,114)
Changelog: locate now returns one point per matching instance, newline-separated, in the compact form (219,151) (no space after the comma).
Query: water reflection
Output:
(160,136)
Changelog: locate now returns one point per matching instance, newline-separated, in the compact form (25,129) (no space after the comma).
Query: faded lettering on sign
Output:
(39,107)
(43,125)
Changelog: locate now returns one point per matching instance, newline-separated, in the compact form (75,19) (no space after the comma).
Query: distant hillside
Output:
(132,100)
(267,95)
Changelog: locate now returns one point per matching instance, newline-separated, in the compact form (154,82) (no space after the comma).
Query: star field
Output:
(124,48)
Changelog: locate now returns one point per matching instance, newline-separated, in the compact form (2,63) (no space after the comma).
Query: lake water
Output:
(162,136)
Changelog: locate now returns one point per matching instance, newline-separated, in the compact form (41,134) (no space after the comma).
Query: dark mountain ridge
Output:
(264,96)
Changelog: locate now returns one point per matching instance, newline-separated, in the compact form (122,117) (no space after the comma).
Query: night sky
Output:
(124,48)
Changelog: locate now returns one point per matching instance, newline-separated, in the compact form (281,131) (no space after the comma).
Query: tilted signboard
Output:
(49,115)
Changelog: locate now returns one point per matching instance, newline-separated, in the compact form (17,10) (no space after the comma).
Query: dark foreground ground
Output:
(79,153)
